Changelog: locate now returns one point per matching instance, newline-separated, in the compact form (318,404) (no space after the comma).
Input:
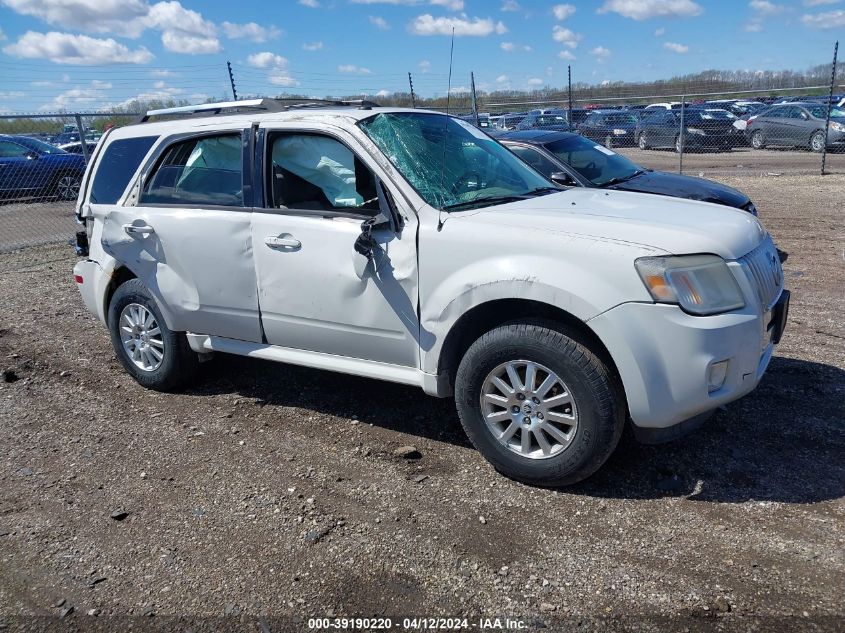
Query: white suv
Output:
(409,246)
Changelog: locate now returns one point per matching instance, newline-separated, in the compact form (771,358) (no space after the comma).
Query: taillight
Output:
(77,278)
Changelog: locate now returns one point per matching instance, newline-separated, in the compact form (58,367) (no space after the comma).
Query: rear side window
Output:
(206,171)
(117,166)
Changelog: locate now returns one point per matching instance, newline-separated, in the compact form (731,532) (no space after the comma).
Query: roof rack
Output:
(266,105)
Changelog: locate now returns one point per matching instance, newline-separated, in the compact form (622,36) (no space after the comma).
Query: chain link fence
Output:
(763,132)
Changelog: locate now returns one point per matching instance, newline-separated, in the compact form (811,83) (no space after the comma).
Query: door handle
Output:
(133,229)
(282,241)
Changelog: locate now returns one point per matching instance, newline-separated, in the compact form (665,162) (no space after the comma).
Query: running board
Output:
(205,344)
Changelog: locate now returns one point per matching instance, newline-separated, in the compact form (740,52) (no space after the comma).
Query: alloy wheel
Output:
(141,337)
(529,409)
(67,187)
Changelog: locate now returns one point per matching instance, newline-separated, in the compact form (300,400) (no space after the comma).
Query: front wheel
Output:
(65,186)
(538,404)
(817,141)
(608,141)
(757,140)
(154,356)
(642,142)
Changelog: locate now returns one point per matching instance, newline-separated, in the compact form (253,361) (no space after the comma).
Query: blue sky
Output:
(87,54)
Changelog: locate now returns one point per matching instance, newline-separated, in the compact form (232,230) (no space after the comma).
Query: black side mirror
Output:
(564,179)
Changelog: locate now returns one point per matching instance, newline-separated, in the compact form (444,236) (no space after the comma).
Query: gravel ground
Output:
(267,494)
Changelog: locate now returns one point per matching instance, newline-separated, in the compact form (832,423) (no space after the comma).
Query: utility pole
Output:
(569,90)
(829,103)
(474,101)
(411,84)
(232,81)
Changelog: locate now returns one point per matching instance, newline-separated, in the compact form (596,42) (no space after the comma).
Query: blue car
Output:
(32,168)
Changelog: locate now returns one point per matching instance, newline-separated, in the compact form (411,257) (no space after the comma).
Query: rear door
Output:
(185,232)
(316,292)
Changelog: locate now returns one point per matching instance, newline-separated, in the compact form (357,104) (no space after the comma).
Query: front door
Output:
(19,168)
(188,239)
(315,292)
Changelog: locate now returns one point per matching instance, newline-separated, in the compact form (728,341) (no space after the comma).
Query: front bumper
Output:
(664,357)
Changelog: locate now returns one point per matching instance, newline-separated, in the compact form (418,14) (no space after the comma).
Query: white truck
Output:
(408,246)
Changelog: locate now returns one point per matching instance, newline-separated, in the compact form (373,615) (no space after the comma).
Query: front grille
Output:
(762,265)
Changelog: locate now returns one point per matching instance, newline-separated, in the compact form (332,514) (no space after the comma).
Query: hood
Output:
(678,186)
(672,225)
(66,160)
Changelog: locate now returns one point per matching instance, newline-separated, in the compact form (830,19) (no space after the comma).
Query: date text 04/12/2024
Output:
(410,624)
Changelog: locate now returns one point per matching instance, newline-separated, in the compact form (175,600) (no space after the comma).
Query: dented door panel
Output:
(197,263)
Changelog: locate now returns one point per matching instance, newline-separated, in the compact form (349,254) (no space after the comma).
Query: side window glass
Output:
(119,163)
(536,160)
(11,150)
(197,172)
(319,173)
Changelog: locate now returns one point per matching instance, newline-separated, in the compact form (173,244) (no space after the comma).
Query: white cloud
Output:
(452,5)
(600,53)
(660,32)
(383,93)
(568,56)
(510,5)
(425,66)
(311,4)
(379,22)
(14,94)
(753,27)
(78,95)
(266,59)
(507,46)
(535,81)
(162,72)
(566,37)
(563,11)
(66,48)
(281,78)
(427,24)
(646,9)
(501,79)
(817,3)
(764,7)
(675,47)
(352,69)
(251,31)
(121,17)
(179,42)
(827,20)
(312,46)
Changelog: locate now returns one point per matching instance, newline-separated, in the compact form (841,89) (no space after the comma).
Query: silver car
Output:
(797,125)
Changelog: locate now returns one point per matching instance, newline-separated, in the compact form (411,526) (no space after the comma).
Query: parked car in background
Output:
(76,147)
(612,128)
(544,120)
(703,130)
(29,167)
(670,105)
(573,160)
(797,125)
(509,121)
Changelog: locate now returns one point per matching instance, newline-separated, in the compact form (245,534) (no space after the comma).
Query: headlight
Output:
(837,127)
(700,284)
(695,130)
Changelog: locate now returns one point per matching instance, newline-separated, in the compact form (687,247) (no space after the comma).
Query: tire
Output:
(597,404)
(65,186)
(177,363)
(678,147)
(608,142)
(817,141)
(757,140)
(642,142)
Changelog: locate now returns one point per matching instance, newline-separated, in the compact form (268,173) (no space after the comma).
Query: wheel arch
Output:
(119,276)
(494,313)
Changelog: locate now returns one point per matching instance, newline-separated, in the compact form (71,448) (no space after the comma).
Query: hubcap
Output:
(141,337)
(529,409)
(68,187)
(818,141)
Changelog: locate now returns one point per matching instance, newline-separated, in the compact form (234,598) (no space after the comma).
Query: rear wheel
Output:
(757,140)
(642,142)
(538,404)
(154,356)
(817,141)
(608,141)
(678,147)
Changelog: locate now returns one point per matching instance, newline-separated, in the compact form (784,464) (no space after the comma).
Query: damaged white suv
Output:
(408,246)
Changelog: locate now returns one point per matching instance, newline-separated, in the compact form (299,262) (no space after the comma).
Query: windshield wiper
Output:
(617,179)
(540,191)
(484,200)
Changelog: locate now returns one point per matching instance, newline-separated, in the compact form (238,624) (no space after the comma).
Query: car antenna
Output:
(440,220)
